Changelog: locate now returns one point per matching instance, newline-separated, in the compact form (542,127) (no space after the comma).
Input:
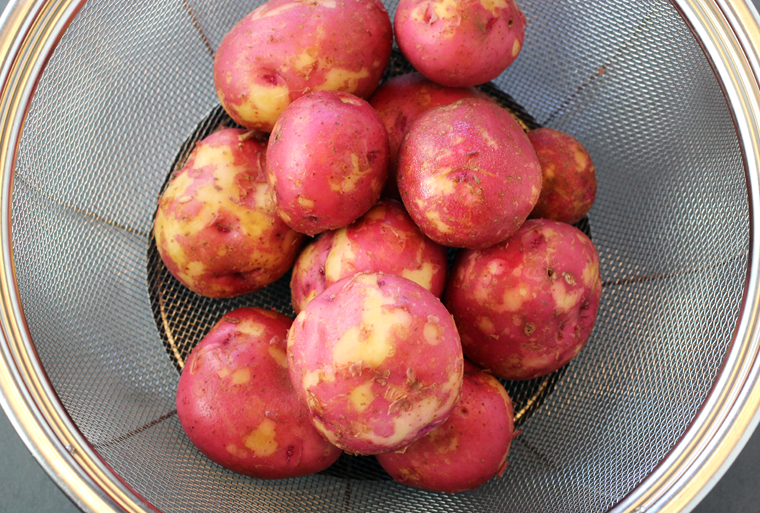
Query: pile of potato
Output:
(384,180)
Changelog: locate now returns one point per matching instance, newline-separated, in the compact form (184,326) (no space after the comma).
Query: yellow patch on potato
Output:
(361,396)
(441,9)
(223,372)
(250,328)
(485,325)
(516,47)
(513,298)
(241,376)
(236,451)
(492,5)
(564,300)
(314,378)
(434,218)
(261,440)
(432,331)
(263,103)
(193,269)
(370,342)
(342,250)
(422,276)
(339,79)
(279,356)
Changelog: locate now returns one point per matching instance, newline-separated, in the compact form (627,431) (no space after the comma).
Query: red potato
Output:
(468,174)
(378,361)
(236,404)
(468,449)
(216,227)
(569,178)
(286,48)
(459,43)
(525,307)
(400,100)
(327,161)
(385,239)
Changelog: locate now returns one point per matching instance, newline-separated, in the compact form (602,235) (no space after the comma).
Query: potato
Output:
(236,404)
(400,100)
(459,43)
(468,449)
(216,227)
(468,174)
(378,361)
(384,240)
(284,49)
(569,178)
(327,161)
(525,307)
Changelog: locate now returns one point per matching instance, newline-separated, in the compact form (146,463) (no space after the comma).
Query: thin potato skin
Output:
(285,48)
(467,450)
(216,227)
(568,188)
(327,161)
(468,174)
(459,43)
(400,100)
(526,307)
(236,404)
(378,361)
(385,239)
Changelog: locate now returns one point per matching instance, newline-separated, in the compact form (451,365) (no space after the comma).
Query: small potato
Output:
(216,227)
(327,161)
(237,406)
(525,307)
(468,449)
(284,49)
(569,179)
(385,239)
(400,100)
(459,43)
(378,361)
(468,174)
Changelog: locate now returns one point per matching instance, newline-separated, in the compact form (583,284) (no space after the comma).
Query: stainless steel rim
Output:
(729,32)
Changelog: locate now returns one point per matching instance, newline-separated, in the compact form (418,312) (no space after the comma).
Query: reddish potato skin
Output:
(400,100)
(378,361)
(459,43)
(216,227)
(568,189)
(237,406)
(284,49)
(385,239)
(468,174)
(525,307)
(468,449)
(327,161)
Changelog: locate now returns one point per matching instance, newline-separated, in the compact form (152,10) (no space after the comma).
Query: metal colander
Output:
(101,99)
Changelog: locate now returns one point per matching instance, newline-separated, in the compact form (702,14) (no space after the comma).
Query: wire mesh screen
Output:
(131,82)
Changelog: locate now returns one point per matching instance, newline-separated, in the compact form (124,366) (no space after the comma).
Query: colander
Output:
(100,100)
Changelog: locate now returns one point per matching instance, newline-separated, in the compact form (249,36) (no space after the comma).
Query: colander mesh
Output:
(127,86)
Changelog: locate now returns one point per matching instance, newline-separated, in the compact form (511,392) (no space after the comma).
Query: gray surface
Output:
(24,486)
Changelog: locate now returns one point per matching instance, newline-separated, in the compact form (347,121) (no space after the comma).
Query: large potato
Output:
(236,404)
(216,227)
(286,48)
(468,174)
(525,307)
(568,189)
(378,361)
(385,239)
(327,161)
(459,43)
(468,449)
(400,100)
